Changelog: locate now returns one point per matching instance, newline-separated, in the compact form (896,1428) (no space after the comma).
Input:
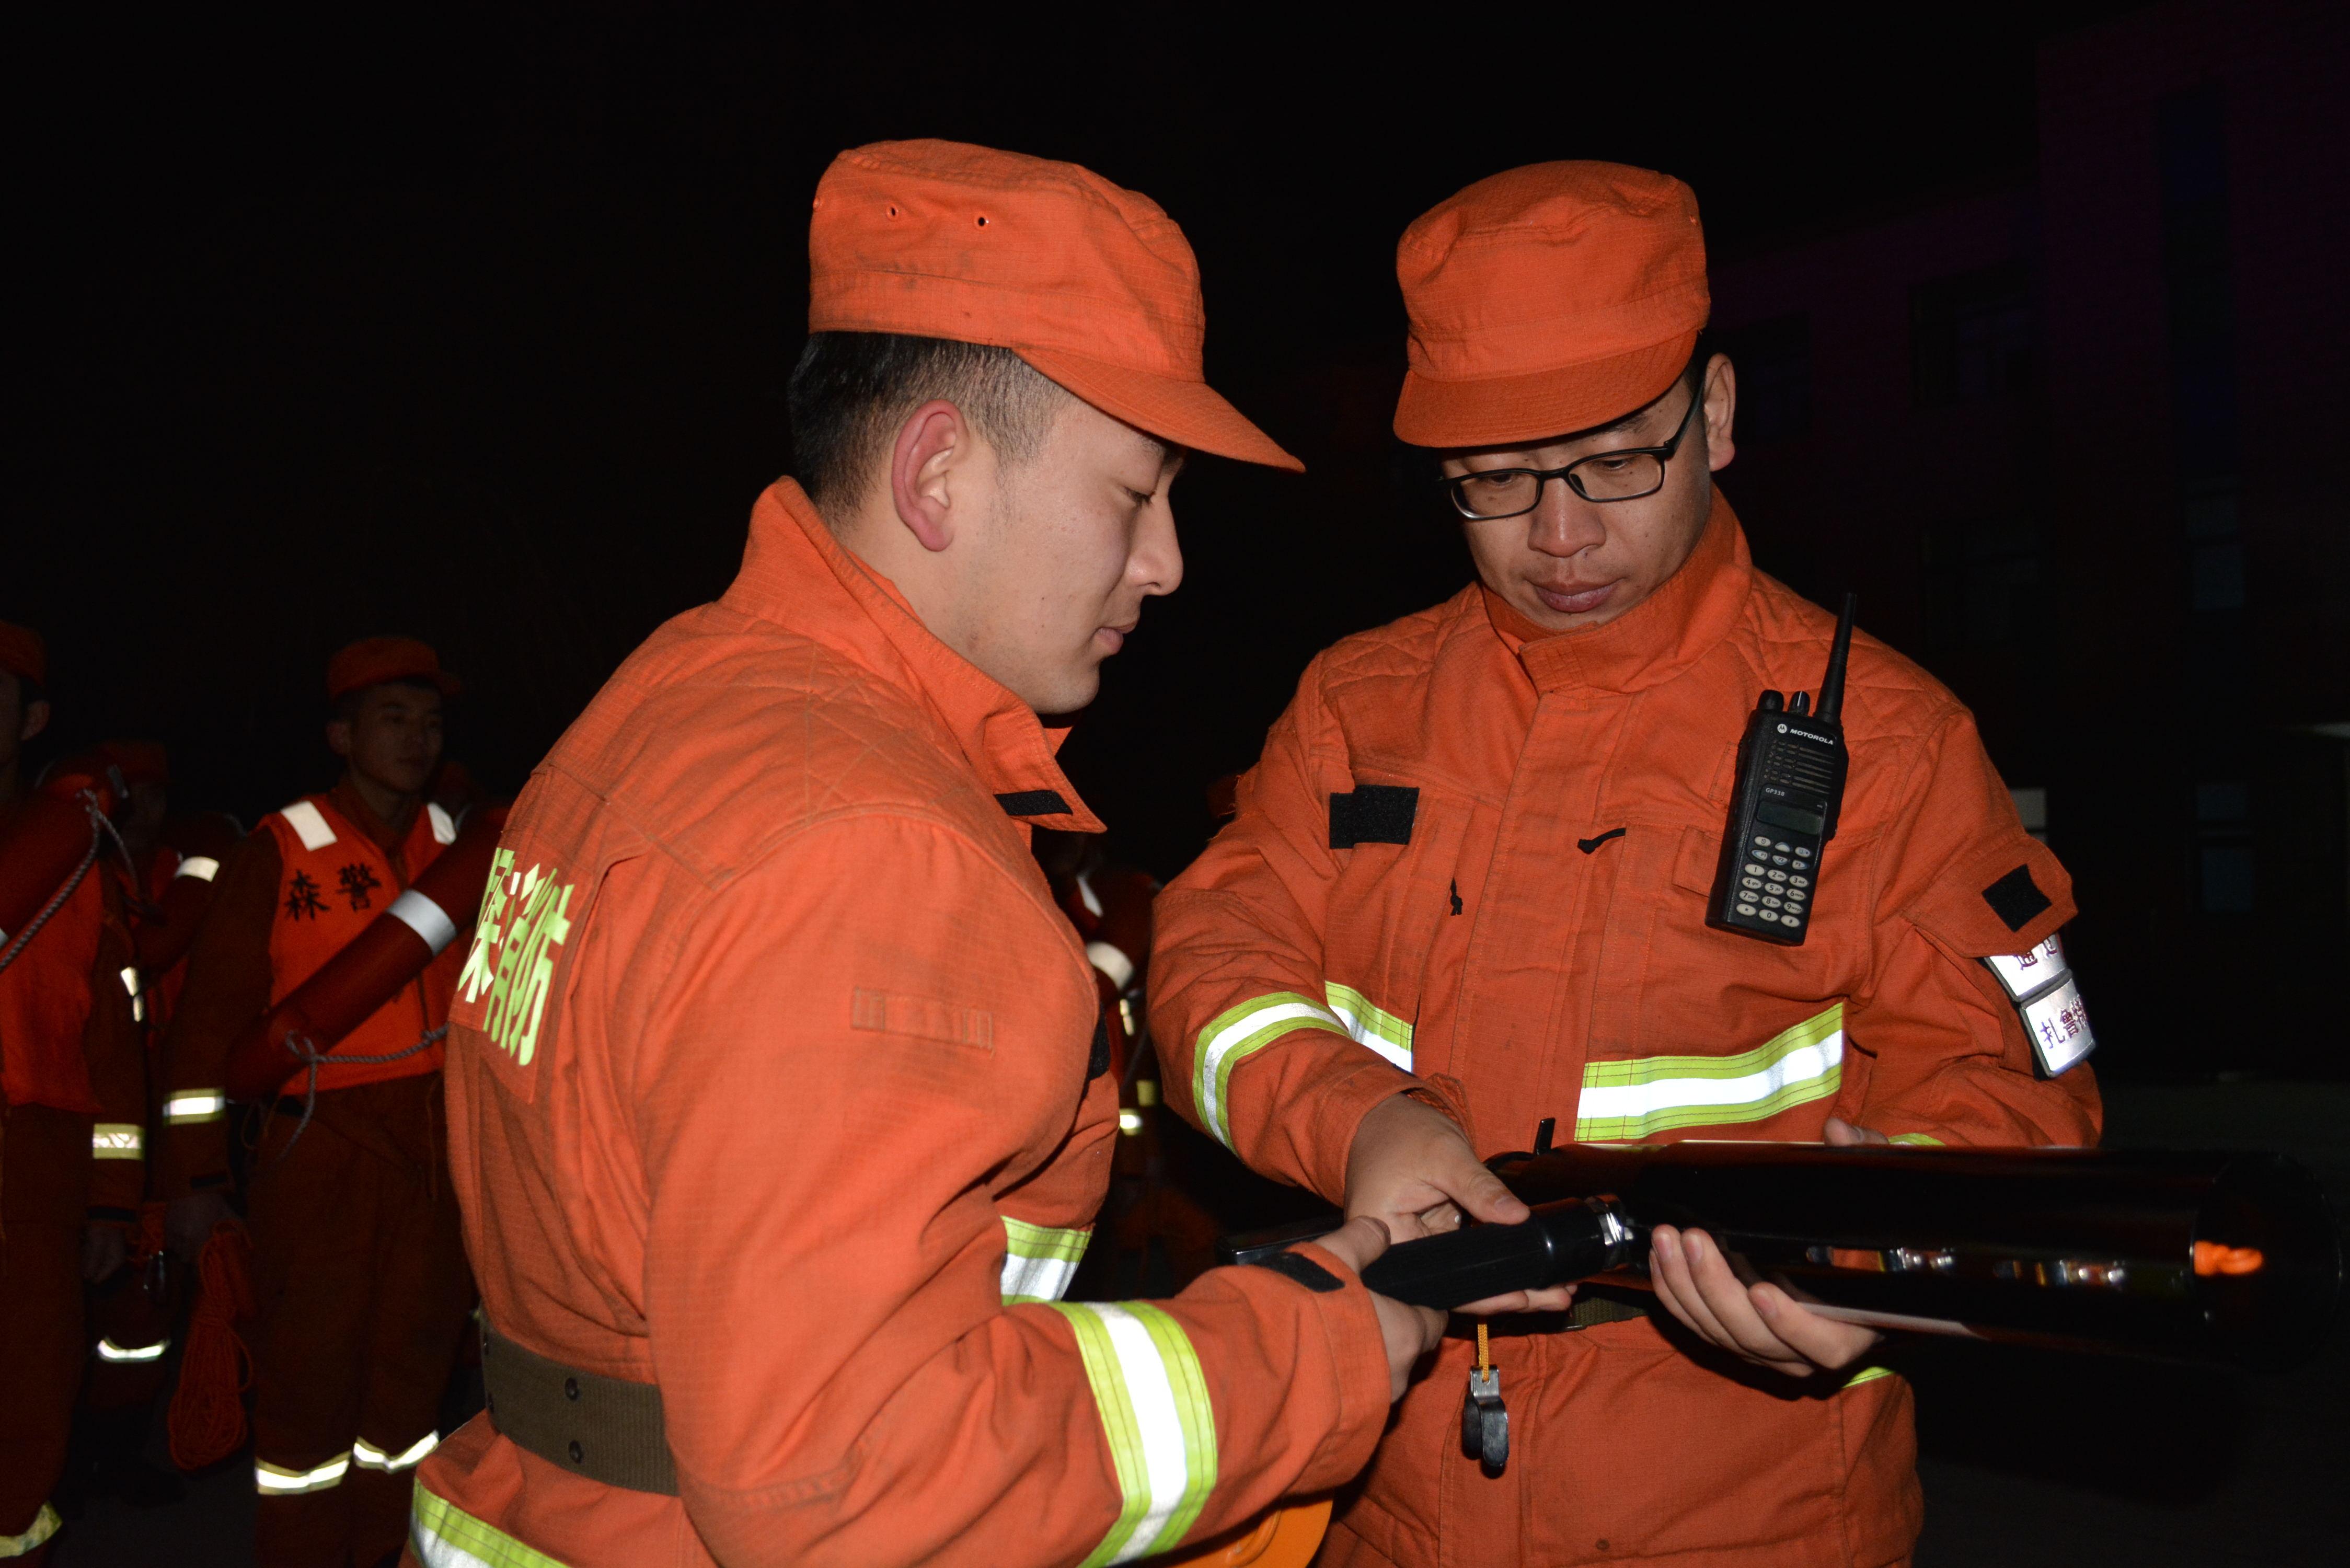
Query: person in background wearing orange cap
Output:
(1466,893)
(72,1149)
(360,1285)
(778,1091)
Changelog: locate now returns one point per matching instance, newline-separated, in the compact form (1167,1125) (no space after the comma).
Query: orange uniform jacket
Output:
(68,1040)
(1526,937)
(768,1082)
(290,896)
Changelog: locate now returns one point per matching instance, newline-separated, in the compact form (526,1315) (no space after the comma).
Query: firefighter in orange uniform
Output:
(1467,889)
(361,1283)
(72,1111)
(777,1092)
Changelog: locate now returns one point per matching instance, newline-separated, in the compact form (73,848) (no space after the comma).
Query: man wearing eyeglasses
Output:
(1466,892)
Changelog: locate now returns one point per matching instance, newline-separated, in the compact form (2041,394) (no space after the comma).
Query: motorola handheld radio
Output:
(1791,774)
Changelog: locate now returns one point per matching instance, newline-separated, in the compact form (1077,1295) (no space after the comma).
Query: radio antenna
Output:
(1831,708)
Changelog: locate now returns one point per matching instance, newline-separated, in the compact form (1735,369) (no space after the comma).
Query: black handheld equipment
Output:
(1791,773)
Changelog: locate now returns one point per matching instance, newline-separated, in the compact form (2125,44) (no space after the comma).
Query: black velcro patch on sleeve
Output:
(1304,1270)
(2016,898)
(1098,1060)
(1034,803)
(1373,814)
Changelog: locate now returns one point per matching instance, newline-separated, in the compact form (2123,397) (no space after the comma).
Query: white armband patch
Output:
(2048,999)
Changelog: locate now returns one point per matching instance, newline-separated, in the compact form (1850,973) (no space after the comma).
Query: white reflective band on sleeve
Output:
(276,1480)
(367,1457)
(118,1140)
(203,868)
(445,1536)
(444,827)
(1624,1101)
(1153,1402)
(1086,895)
(309,825)
(425,918)
(45,1523)
(1039,1261)
(1239,1033)
(131,979)
(2025,973)
(191,1106)
(110,1351)
(1371,1025)
(2059,1026)
(138,1002)
(1112,961)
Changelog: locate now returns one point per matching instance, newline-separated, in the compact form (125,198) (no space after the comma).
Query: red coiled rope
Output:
(207,1420)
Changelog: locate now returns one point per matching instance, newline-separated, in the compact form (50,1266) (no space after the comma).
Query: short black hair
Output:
(850,389)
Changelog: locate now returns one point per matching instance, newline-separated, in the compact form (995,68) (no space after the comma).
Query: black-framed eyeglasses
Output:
(1626,474)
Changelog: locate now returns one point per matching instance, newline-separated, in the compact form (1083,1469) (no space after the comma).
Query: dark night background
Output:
(475,325)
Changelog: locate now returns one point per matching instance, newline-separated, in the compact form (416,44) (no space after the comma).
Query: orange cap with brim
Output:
(1092,285)
(23,653)
(373,660)
(1548,300)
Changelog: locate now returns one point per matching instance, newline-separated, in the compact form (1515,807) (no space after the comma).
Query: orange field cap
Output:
(23,653)
(1548,300)
(1091,283)
(376,660)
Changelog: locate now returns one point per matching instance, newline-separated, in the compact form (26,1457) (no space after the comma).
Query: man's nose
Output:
(1157,563)
(1564,524)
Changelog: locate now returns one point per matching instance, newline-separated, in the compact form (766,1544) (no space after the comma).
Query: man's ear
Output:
(1720,410)
(37,719)
(339,737)
(934,445)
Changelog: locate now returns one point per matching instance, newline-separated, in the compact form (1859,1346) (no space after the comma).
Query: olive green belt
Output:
(605,1428)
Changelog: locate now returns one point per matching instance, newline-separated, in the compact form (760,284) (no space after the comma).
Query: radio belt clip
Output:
(1484,1420)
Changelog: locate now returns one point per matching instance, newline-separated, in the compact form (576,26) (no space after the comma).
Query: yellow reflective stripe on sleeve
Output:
(118,1140)
(1918,1140)
(110,1351)
(185,1108)
(1039,1261)
(44,1524)
(367,1457)
(1153,1402)
(1626,1101)
(1867,1374)
(445,1536)
(276,1480)
(1370,1025)
(1234,1035)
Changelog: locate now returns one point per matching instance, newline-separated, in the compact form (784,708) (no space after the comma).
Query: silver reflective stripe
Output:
(110,1351)
(1152,1399)
(276,1480)
(1630,1100)
(425,918)
(2022,974)
(1039,1261)
(367,1457)
(445,1536)
(2059,1026)
(1234,1035)
(138,1002)
(1112,961)
(203,868)
(309,825)
(444,827)
(188,1106)
(1370,1025)
(118,1140)
(44,1524)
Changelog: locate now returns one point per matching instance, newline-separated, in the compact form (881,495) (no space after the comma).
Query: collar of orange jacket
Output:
(1654,640)
(796,574)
